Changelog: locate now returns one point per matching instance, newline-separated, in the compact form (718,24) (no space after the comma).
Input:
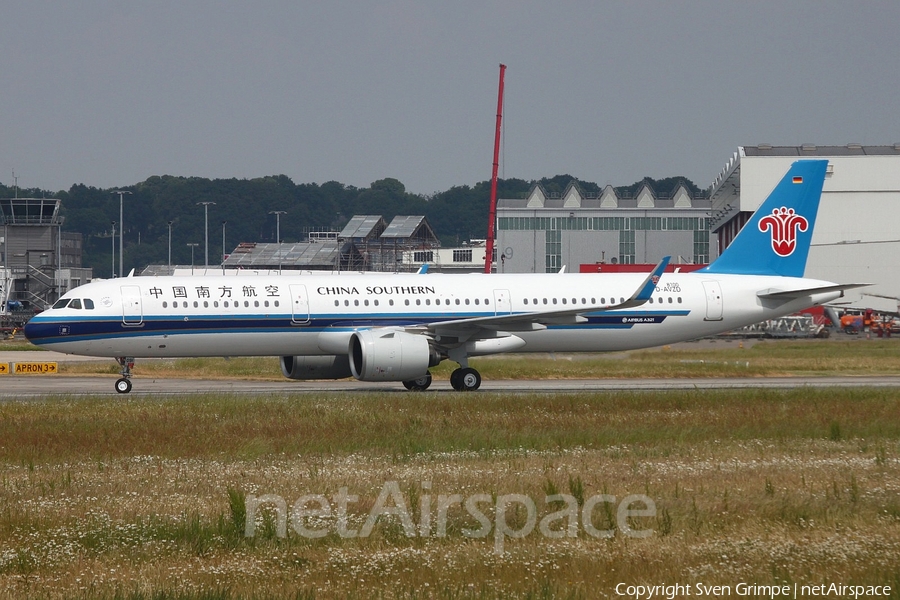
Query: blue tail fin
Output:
(775,241)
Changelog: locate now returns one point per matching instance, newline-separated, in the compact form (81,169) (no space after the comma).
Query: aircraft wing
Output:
(539,319)
(793,294)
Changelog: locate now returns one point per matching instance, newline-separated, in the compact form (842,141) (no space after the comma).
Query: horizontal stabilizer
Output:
(791,294)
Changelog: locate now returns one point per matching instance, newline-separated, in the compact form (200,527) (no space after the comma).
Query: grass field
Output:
(146,498)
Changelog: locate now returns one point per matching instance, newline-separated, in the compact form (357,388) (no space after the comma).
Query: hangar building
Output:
(542,233)
(857,233)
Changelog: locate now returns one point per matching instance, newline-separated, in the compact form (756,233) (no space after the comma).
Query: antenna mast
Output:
(492,212)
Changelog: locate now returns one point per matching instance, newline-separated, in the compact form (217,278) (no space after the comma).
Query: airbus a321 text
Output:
(393,327)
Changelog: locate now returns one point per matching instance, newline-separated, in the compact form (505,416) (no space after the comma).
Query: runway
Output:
(35,386)
(30,387)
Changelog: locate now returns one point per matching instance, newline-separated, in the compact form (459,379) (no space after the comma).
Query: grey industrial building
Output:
(543,233)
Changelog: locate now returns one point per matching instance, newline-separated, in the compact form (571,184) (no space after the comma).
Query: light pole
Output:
(278,214)
(113,238)
(206,230)
(223,242)
(170,242)
(121,229)
(192,245)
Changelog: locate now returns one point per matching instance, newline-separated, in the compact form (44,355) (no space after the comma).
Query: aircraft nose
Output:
(31,329)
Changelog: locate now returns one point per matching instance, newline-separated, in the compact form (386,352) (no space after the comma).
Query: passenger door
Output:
(502,304)
(299,305)
(714,307)
(132,309)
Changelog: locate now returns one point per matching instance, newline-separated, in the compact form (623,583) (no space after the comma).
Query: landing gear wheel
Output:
(454,380)
(465,380)
(418,385)
(123,386)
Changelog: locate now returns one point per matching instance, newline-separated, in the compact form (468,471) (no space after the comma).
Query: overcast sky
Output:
(111,93)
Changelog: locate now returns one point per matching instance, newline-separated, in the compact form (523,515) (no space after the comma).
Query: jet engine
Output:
(390,355)
(315,367)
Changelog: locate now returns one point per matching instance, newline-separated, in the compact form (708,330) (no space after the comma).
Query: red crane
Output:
(492,212)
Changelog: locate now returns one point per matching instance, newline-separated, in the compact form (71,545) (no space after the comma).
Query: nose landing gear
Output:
(123,384)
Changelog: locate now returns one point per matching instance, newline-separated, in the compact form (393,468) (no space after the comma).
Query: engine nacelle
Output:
(315,367)
(385,355)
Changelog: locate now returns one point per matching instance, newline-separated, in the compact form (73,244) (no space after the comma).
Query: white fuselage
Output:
(317,314)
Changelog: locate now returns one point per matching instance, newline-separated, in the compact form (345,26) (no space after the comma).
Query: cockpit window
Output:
(61,303)
(75,303)
(89,304)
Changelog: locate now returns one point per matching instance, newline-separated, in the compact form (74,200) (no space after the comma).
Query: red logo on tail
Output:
(784,224)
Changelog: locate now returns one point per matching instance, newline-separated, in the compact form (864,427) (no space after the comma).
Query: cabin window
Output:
(196,304)
(428,301)
(184,304)
(366,302)
(266,303)
(594,301)
(256,303)
(476,301)
(391,301)
(346,303)
(584,301)
(89,304)
(574,300)
(215,303)
(225,304)
(545,301)
(406,302)
(602,300)
(375,302)
(554,301)
(457,301)
(447,301)
(679,299)
(670,299)
(651,300)
(165,304)
(467,301)
(418,302)
(487,301)
(356,303)
(564,301)
(246,304)
(337,302)
(206,304)
(276,303)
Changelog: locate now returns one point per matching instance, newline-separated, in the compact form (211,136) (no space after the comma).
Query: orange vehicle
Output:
(851,323)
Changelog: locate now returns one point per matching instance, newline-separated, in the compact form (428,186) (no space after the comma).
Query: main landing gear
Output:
(123,385)
(465,379)
(418,385)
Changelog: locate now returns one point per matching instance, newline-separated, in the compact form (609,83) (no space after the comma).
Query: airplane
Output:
(394,327)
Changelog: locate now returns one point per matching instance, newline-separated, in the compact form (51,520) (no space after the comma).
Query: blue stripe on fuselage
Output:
(49,330)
